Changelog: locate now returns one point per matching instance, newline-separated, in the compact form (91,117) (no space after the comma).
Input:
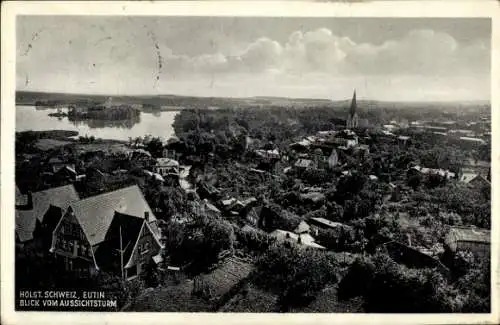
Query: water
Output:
(156,124)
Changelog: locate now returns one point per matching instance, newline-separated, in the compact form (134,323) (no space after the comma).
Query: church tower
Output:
(353,119)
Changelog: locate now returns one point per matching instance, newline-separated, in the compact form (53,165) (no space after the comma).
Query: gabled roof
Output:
(96,213)
(55,160)
(440,172)
(302,228)
(129,227)
(467,177)
(478,163)
(305,239)
(60,197)
(303,163)
(209,206)
(141,152)
(482,179)
(328,223)
(470,234)
(167,162)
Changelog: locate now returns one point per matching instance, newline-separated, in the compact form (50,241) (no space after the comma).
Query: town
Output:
(356,208)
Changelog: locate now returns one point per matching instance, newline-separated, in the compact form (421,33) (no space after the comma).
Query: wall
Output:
(70,242)
(146,248)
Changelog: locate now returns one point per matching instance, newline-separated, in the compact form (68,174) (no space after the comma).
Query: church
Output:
(353,119)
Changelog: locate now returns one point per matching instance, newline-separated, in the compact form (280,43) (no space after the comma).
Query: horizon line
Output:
(255,96)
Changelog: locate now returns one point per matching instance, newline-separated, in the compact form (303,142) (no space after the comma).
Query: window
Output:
(74,230)
(144,248)
(83,250)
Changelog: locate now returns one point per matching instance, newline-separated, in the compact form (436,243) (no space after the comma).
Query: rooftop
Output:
(304,163)
(467,177)
(470,234)
(328,223)
(306,239)
(96,213)
(60,197)
(440,172)
(167,162)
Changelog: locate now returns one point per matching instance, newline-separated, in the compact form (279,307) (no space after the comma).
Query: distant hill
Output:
(158,101)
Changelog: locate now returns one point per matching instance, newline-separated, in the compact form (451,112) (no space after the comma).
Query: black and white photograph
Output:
(263,164)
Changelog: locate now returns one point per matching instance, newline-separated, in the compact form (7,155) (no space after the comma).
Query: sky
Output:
(398,59)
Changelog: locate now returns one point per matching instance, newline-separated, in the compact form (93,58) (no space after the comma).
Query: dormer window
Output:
(144,248)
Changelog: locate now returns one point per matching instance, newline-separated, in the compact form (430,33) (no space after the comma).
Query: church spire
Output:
(353,104)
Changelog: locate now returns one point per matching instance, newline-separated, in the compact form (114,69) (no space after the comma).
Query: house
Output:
(472,142)
(395,192)
(304,240)
(141,158)
(65,174)
(342,139)
(41,211)
(477,166)
(363,150)
(206,190)
(475,240)
(402,139)
(303,164)
(205,208)
(327,133)
(302,228)
(412,257)
(253,215)
(312,197)
(56,164)
(166,166)
(231,203)
(479,182)
(301,145)
(106,230)
(95,179)
(128,246)
(333,159)
(431,171)
(322,223)
(268,156)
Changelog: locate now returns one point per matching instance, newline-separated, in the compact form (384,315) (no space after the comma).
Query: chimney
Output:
(146,216)
(29,204)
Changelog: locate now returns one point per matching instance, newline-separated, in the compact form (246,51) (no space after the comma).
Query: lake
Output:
(38,119)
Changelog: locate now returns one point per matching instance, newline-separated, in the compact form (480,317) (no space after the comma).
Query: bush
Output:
(390,287)
(254,241)
(296,274)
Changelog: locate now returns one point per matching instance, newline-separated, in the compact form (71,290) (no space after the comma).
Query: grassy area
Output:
(251,299)
(49,144)
(176,298)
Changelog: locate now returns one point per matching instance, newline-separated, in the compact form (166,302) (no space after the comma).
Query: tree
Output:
(296,274)
(219,236)
(155,147)
(391,287)
(414,181)
(475,285)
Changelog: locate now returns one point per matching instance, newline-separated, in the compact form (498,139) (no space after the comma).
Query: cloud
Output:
(420,52)
(315,63)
